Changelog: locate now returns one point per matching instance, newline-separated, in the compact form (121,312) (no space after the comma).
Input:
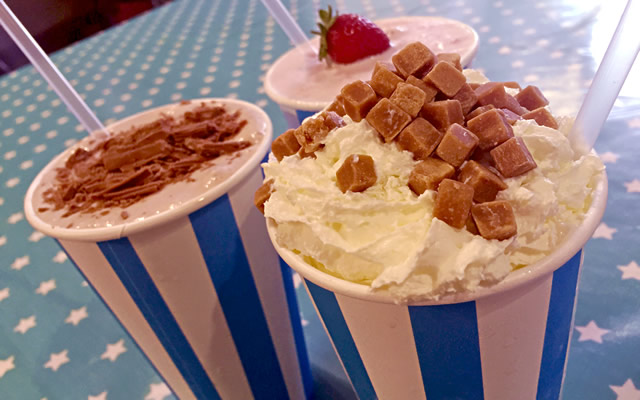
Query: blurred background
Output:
(58,23)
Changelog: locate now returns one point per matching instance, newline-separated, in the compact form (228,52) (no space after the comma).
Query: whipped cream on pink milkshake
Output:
(300,80)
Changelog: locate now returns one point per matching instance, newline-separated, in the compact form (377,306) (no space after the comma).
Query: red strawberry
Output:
(349,37)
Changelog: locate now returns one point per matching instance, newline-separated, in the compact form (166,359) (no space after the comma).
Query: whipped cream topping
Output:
(387,237)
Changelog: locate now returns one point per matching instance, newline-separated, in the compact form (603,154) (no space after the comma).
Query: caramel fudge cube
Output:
(485,184)
(314,130)
(467,98)
(443,114)
(451,58)
(511,85)
(409,98)
(512,158)
(446,78)
(494,93)
(429,90)
(428,174)
(383,80)
(337,107)
(414,59)
(457,145)
(495,220)
(510,116)
(478,111)
(453,203)
(285,145)
(420,138)
(531,98)
(356,174)
(491,127)
(388,119)
(263,194)
(542,117)
(357,99)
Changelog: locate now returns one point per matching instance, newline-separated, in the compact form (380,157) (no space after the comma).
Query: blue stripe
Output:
(296,325)
(448,348)
(303,114)
(223,251)
(333,319)
(133,275)
(556,337)
(124,328)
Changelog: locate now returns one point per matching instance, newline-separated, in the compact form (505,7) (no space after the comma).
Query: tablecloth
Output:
(58,341)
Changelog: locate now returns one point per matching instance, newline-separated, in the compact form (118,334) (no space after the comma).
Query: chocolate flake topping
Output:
(133,164)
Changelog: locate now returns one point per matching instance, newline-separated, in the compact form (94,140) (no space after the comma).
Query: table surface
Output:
(58,341)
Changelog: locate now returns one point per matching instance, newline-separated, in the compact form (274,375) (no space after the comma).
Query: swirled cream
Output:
(387,237)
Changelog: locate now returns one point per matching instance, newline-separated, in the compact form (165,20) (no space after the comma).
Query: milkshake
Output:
(166,235)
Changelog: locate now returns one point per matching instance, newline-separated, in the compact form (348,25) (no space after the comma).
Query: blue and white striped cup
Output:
(509,341)
(199,288)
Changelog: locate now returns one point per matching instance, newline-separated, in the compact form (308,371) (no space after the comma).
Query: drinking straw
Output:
(287,23)
(608,81)
(49,71)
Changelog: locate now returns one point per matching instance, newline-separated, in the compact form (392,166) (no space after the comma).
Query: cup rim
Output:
(465,59)
(563,253)
(186,208)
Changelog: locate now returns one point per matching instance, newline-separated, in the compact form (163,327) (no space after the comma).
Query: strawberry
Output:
(348,37)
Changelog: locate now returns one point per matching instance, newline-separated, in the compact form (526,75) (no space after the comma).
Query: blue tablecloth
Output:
(58,341)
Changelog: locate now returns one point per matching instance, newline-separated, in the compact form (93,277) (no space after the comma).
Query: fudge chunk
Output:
(443,114)
(494,93)
(531,98)
(451,58)
(542,117)
(263,194)
(457,145)
(495,220)
(446,78)
(383,80)
(467,98)
(485,183)
(358,98)
(429,90)
(428,174)
(512,158)
(491,127)
(356,174)
(409,98)
(388,119)
(285,145)
(453,203)
(419,137)
(414,59)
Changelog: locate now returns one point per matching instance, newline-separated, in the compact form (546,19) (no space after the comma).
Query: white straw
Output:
(608,81)
(287,23)
(49,71)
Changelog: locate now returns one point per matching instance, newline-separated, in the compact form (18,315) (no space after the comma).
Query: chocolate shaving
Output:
(132,164)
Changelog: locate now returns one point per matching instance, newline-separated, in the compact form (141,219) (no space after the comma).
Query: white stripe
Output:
(265,267)
(511,329)
(573,321)
(88,257)
(290,116)
(384,338)
(174,261)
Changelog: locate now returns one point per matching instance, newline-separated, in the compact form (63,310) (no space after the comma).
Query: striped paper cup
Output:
(509,341)
(198,287)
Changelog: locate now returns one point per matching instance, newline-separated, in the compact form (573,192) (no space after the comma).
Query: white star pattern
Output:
(75,316)
(36,236)
(20,263)
(114,350)
(3,240)
(158,391)
(6,365)
(46,286)
(60,257)
(592,332)
(4,293)
(12,182)
(56,360)
(634,123)
(25,324)
(633,186)
(628,391)
(15,218)
(101,396)
(296,280)
(630,271)
(604,232)
(609,157)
